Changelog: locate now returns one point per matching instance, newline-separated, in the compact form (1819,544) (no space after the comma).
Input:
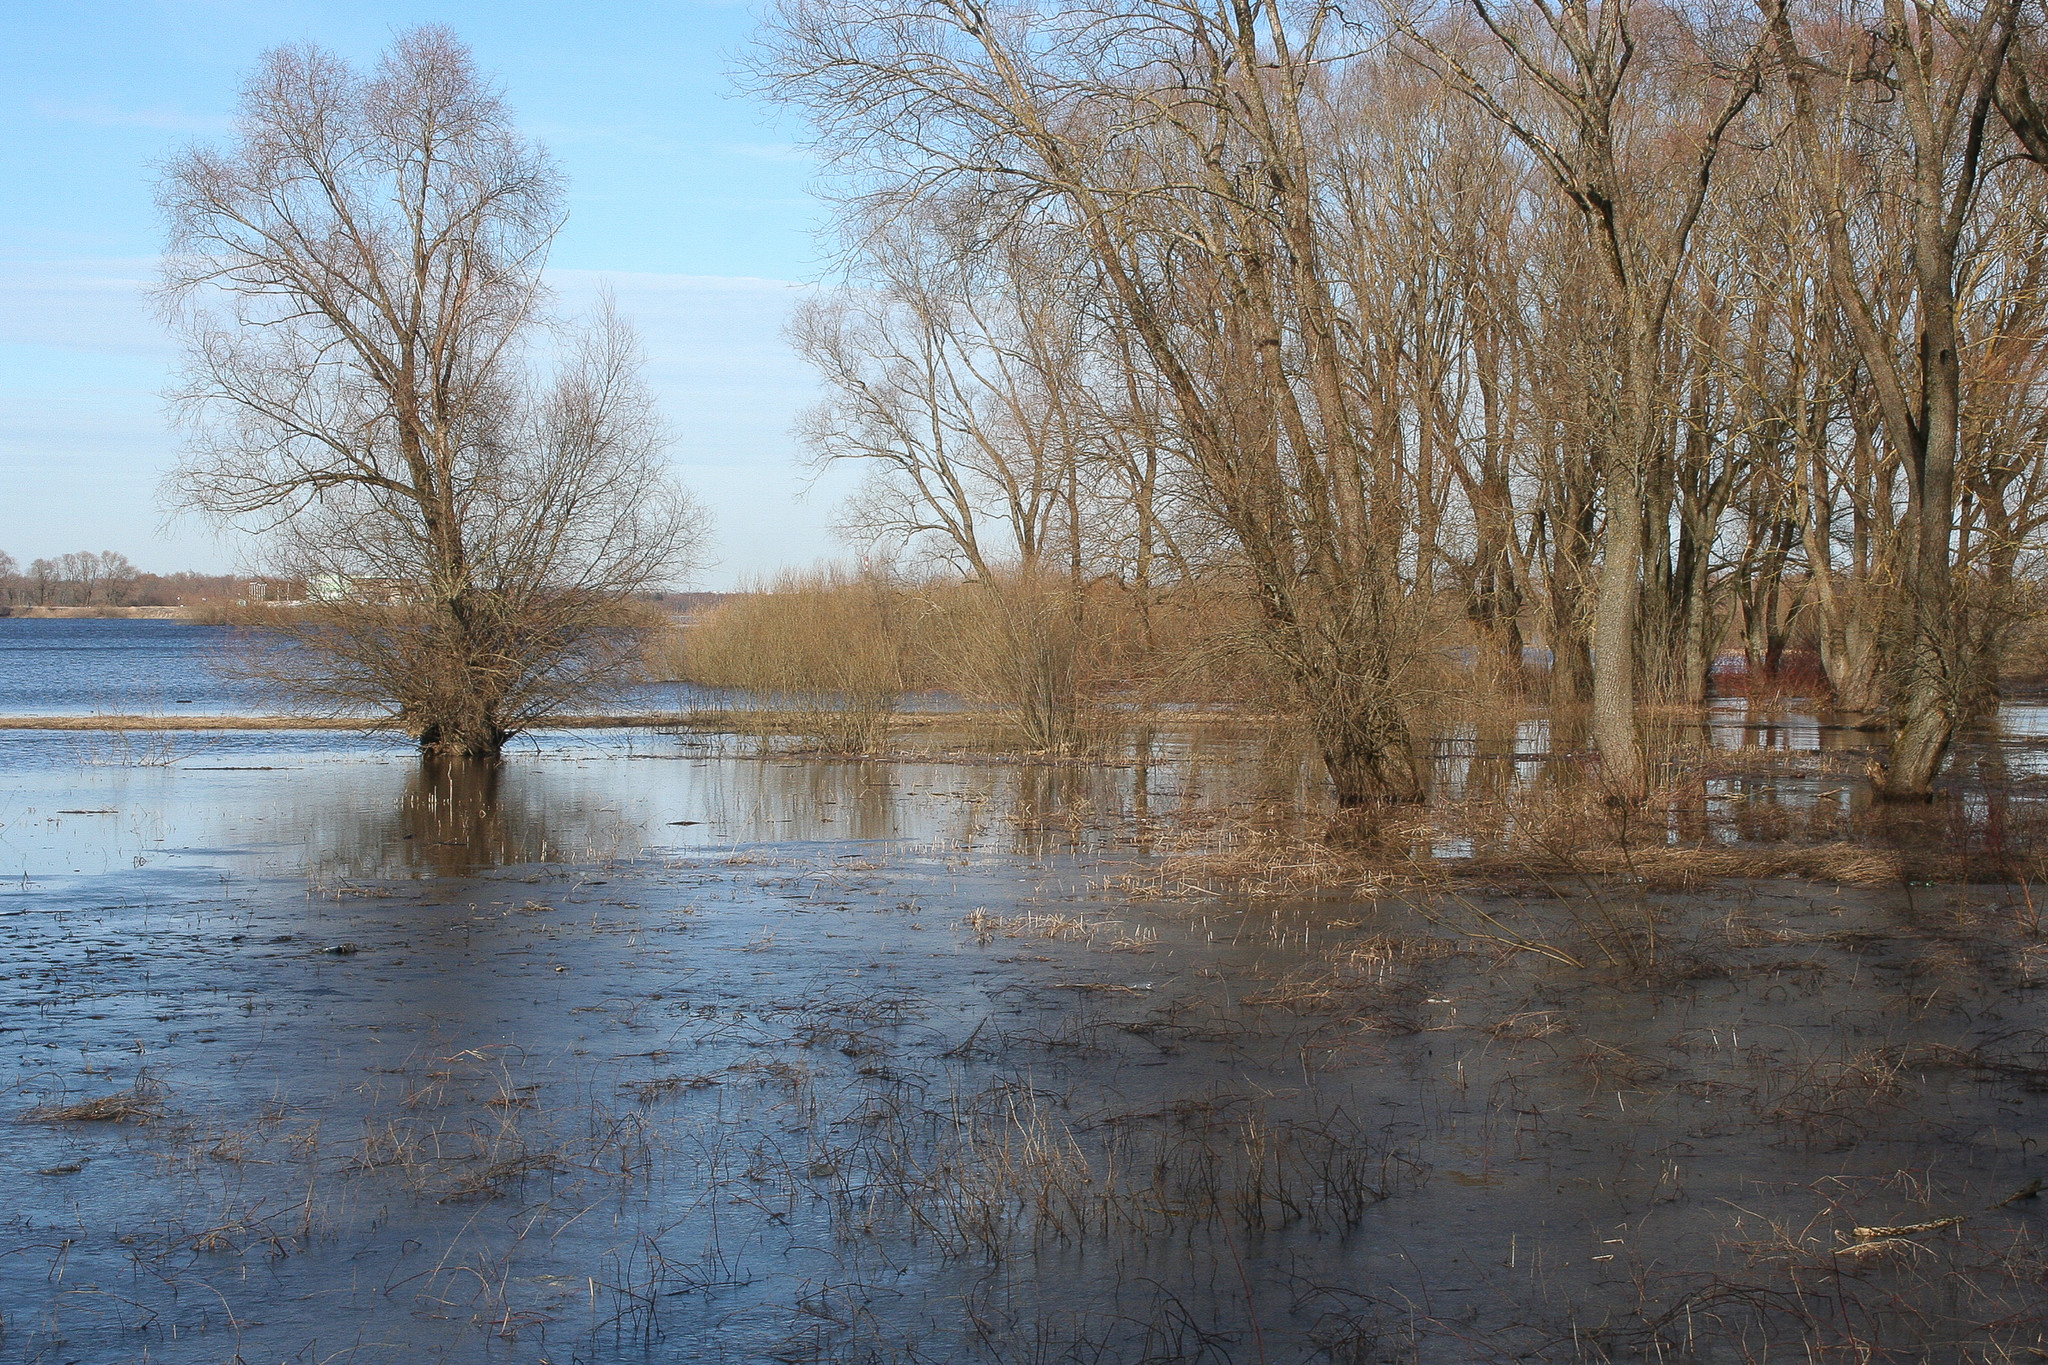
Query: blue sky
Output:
(689,199)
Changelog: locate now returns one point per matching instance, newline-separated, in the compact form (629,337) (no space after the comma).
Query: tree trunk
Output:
(1853,659)
(471,737)
(1571,659)
(1696,644)
(1618,589)
(1924,713)
(458,714)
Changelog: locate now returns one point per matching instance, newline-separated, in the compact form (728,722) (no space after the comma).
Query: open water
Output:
(60,667)
(70,668)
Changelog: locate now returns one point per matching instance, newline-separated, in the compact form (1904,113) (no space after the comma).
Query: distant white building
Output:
(334,587)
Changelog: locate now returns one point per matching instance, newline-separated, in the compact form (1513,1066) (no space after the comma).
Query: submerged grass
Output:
(1674,841)
(1519,1079)
(868,1179)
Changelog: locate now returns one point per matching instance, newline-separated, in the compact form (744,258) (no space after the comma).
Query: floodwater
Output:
(644,1047)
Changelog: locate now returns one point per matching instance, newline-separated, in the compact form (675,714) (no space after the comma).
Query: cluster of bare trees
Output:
(74,580)
(378,392)
(1638,325)
(110,578)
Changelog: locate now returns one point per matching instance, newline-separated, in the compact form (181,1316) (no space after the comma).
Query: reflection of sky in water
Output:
(333,805)
(1732,725)
(2024,720)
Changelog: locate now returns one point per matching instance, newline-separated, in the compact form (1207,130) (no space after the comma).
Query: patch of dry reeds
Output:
(829,653)
(1249,856)
(1533,832)
(995,1173)
(986,925)
(828,648)
(1025,644)
(1673,866)
(140,1103)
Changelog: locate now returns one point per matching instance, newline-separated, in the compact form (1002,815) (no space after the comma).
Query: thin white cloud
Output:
(772,151)
(86,304)
(730,388)
(161,118)
(86,359)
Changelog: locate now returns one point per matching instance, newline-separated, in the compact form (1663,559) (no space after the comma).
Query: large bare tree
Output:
(375,388)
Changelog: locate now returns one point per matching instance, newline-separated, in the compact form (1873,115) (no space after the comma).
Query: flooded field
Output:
(654,1047)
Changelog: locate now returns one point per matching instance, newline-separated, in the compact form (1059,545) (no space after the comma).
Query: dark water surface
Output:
(637,1047)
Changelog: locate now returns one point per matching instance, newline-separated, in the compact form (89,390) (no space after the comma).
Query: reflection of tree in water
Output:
(858,799)
(1051,800)
(452,817)
(1138,776)
(800,798)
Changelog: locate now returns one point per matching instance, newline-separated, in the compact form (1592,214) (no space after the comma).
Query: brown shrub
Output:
(828,646)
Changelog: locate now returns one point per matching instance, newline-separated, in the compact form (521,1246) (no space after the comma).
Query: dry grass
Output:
(1250,857)
(998,1172)
(1265,852)
(832,651)
(1683,867)
(986,925)
(829,649)
(1376,985)
(141,1103)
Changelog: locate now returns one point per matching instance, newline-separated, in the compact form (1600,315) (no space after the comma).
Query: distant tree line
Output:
(110,579)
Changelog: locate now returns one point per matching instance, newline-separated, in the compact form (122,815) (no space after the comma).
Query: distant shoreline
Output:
(188,615)
(216,722)
(680,607)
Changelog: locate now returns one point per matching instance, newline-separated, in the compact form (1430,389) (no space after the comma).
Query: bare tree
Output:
(2023,83)
(1918,98)
(951,369)
(1181,146)
(117,577)
(82,571)
(955,370)
(356,277)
